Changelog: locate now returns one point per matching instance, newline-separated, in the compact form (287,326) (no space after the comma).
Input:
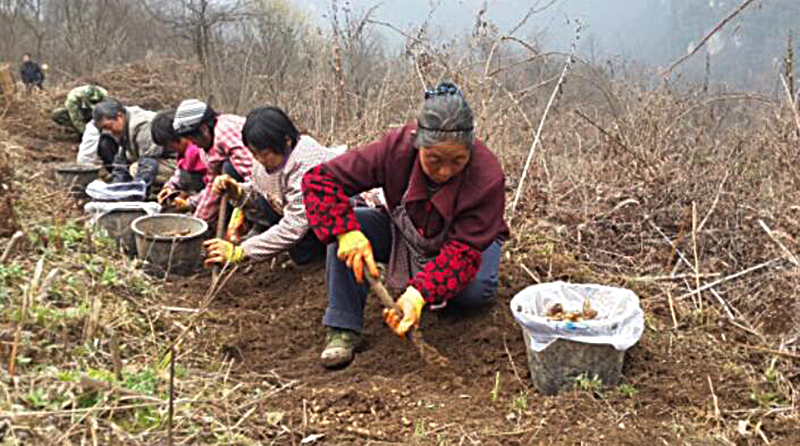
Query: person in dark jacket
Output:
(31,74)
(441,232)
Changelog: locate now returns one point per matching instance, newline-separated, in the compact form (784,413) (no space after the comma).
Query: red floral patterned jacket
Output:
(470,204)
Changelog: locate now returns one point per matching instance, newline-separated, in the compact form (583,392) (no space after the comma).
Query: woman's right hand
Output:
(181,204)
(224,184)
(356,250)
(164,194)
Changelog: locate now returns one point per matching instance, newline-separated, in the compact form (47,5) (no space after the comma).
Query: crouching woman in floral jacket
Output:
(441,233)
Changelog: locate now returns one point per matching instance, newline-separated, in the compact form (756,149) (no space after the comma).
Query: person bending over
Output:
(441,233)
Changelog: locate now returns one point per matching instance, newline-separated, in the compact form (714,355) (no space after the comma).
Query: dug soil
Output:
(268,323)
(684,385)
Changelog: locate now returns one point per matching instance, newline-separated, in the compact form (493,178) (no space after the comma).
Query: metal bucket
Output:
(169,243)
(75,177)
(117,223)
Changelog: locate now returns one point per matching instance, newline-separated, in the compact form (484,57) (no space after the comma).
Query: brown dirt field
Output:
(269,323)
(152,85)
(688,385)
(8,218)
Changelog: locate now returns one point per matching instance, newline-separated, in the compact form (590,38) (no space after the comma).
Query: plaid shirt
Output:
(228,145)
(282,190)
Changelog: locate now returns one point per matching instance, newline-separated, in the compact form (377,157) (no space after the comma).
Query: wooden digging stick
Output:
(376,285)
(428,352)
(223,209)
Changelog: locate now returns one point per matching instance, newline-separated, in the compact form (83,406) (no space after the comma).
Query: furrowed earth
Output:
(247,356)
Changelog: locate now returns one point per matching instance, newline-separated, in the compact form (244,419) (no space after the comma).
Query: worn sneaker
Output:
(340,346)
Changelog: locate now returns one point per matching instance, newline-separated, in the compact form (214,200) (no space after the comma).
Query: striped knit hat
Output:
(188,116)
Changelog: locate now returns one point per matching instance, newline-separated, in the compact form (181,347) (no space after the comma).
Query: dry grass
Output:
(662,190)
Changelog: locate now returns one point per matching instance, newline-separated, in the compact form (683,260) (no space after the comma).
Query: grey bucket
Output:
(75,177)
(163,250)
(117,223)
(562,362)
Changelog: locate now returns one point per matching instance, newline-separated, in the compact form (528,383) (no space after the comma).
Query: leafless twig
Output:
(708,36)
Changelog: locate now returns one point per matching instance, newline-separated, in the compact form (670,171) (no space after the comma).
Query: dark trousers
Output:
(29,86)
(347,298)
(228,169)
(107,149)
(307,250)
(190,181)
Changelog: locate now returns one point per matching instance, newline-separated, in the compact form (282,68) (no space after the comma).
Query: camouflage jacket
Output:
(80,103)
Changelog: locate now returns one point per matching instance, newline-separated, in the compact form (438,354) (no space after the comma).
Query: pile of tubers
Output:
(556,312)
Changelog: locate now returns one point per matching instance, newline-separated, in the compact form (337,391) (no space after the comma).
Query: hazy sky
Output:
(606,20)
(621,30)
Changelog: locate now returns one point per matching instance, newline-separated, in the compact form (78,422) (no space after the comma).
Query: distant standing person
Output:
(31,74)
(78,106)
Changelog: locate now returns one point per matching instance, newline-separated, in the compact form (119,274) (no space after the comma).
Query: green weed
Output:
(36,398)
(627,390)
(586,384)
(109,276)
(11,273)
(88,399)
(71,234)
(144,381)
(10,276)
(419,429)
(764,399)
(520,403)
(496,390)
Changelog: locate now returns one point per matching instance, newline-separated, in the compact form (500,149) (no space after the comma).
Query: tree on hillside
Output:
(199,22)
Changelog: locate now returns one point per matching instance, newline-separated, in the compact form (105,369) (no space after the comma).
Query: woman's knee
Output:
(481,291)
(478,293)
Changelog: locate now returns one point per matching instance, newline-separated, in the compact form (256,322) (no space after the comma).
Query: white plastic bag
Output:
(132,191)
(97,208)
(620,319)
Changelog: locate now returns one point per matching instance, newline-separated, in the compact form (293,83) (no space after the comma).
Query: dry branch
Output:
(683,259)
(792,258)
(708,36)
(536,139)
(792,103)
(729,278)
(10,246)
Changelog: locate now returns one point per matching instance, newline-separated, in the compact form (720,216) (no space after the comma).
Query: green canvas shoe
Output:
(340,347)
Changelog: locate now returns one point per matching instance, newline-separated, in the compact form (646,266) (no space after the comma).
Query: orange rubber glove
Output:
(355,250)
(410,303)
(181,204)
